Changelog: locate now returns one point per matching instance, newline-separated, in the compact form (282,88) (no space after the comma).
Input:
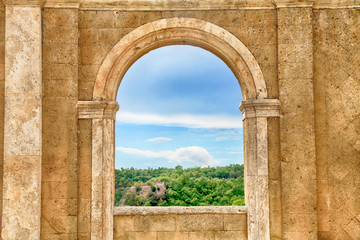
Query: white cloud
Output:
(185,120)
(159,139)
(227,138)
(187,154)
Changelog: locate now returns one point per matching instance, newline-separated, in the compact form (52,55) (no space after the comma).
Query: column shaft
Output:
(22,135)
(297,128)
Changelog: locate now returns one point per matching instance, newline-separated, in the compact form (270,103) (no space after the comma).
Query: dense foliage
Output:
(209,186)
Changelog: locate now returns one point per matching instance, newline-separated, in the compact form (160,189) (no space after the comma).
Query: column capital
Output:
(260,108)
(97,109)
(293,3)
(24,3)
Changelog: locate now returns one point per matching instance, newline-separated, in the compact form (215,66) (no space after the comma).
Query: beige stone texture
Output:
(60,169)
(180,223)
(297,129)
(2,98)
(21,207)
(302,166)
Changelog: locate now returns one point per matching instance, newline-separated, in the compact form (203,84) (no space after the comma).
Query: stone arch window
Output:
(256,108)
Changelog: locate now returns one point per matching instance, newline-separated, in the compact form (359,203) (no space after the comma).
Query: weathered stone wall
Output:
(310,57)
(337,114)
(59,161)
(2,93)
(99,31)
(179,223)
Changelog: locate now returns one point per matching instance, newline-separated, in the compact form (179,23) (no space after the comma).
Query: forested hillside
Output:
(211,186)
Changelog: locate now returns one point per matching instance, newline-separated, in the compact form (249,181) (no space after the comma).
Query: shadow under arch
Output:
(256,109)
(179,31)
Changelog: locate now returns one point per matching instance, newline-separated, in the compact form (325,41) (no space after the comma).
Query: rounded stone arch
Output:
(256,110)
(179,31)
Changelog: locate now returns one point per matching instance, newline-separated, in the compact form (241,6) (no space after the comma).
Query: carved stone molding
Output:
(97,109)
(147,5)
(260,108)
(292,3)
(150,5)
(62,4)
(27,3)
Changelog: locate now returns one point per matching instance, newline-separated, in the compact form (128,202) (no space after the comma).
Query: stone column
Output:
(103,165)
(22,123)
(297,127)
(255,114)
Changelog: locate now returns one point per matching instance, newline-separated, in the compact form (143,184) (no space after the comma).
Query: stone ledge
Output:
(119,211)
(151,5)
(97,109)
(24,3)
(260,108)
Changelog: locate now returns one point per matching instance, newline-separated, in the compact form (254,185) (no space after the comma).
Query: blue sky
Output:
(178,106)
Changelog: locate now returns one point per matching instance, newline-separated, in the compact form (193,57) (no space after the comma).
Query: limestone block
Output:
(202,235)
(60,34)
(55,71)
(125,224)
(23,50)
(135,19)
(301,70)
(84,190)
(208,222)
(84,173)
(97,19)
(18,212)
(137,236)
(60,106)
(59,225)
(61,132)
(156,223)
(61,53)
(84,215)
(294,16)
(353,229)
(298,203)
(58,190)
(60,88)
(275,196)
(89,36)
(86,90)
(110,36)
(230,235)
(59,207)
(235,223)
(323,222)
(257,17)
(300,235)
(60,16)
(94,54)
(87,73)
(84,236)
(185,13)
(298,222)
(23,126)
(84,141)
(173,236)
(276,231)
(59,172)
(57,236)
(295,53)
(301,34)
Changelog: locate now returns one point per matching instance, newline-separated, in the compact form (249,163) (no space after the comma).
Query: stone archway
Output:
(255,107)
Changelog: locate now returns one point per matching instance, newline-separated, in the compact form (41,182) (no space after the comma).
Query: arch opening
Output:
(179,107)
(175,31)
(256,109)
